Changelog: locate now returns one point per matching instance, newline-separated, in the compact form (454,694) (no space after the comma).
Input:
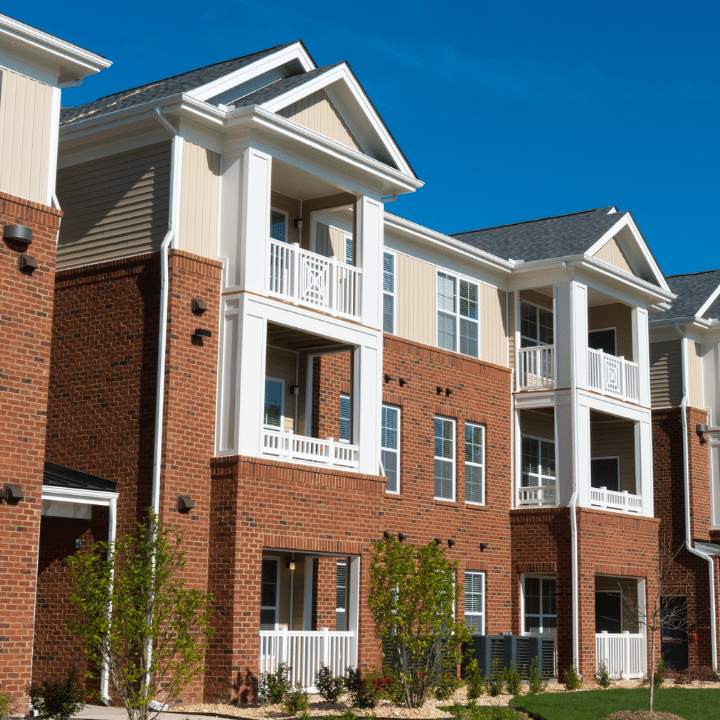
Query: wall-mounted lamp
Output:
(387,535)
(27,264)
(297,223)
(451,542)
(448,392)
(483,545)
(12,493)
(438,541)
(197,306)
(438,390)
(185,503)
(402,536)
(290,564)
(78,543)
(403,382)
(294,389)
(701,430)
(20,234)
(388,378)
(199,334)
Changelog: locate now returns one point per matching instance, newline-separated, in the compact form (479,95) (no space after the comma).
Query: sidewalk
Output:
(101,712)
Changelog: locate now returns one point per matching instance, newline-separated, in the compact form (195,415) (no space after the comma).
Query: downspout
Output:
(573,514)
(686,472)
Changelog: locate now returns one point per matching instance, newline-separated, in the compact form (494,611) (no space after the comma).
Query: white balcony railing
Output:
(288,446)
(613,375)
(304,651)
(535,368)
(615,500)
(540,495)
(313,280)
(624,654)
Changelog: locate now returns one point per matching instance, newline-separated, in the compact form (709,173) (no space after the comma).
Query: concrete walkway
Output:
(101,712)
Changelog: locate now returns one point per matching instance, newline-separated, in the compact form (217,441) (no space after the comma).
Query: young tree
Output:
(140,620)
(413,595)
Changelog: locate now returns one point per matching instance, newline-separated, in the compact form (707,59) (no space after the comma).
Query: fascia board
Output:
(342,72)
(78,495)
(269,62)
(438,240)
(713,296)
(73,62)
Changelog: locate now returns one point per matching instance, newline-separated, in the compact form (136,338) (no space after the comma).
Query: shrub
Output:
(362,690)
(475,680)
(537,682)
(496,681)
(330,688)
(571,679)
(295,701)
(513,679)
(348,715)
(274,686)
(385,685)
(58,699)
(446,685)
(602,677)
(458,710)
(5,703)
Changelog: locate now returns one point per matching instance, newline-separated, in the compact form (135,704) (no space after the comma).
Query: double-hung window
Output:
(475,602)
(341,597)
(474,463)
(345,410)
(349,250)
(444,459)
(538,462)
(539,605)
(388,292)
(274,391)
(390,447)
(457,314)
(536,325)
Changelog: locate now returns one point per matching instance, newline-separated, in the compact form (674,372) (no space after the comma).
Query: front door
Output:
(674,632)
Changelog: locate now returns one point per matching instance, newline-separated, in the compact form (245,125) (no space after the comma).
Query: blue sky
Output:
(507,110)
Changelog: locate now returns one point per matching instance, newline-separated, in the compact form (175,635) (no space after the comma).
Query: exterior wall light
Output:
(483,545)
(701,430)
(387,535)
(403,382)
(438,390)
(20,234)
(388,378)
(438,541)
(451,542)
(294,389)
(402,536)
(297,223)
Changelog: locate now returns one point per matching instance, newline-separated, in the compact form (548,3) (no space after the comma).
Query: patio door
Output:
(269,594)
(674,632)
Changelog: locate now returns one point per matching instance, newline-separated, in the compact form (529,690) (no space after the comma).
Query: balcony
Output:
(312,280)
(535,368)
(623,654)
(538,496)
(613,376)
(286,445)
(616,501)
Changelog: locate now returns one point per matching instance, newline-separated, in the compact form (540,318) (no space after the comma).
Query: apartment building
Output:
(245,339)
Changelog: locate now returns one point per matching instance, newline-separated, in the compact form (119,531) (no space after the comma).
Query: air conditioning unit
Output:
(520,650)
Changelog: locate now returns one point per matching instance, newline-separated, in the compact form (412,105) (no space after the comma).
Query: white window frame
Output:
(443,459)
(281,427)
(349,243)
(481,613)
(276,560)
(392,295)
(543,479)
(475,465)
(343,609)
(551,632)
(535,342)
(340,437)
(607,457)
(456,314)
(287,220)
(395,451)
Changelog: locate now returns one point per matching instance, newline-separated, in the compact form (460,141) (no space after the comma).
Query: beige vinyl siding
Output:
(200,201)
(695,375)
(115,206)
(282,364)
(619,316)
(493,325)
(317,113)
(415,298)
(537,424)
(665,374)
(25,130)
(329,241)
(612,253)
(511,329)
(615,438)
(292,208)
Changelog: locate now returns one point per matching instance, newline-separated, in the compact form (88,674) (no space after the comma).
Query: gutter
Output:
(686,472)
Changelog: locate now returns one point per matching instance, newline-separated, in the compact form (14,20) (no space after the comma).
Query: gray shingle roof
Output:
(692,290)
(60,476)
(159,89)
(551,237)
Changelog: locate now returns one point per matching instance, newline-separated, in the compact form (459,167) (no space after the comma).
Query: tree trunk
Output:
(652,673)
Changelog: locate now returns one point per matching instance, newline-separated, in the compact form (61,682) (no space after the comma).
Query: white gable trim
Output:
(375,125)
(295,52)
(705,306)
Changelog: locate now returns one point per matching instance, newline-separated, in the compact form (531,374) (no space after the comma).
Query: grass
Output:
(691,704)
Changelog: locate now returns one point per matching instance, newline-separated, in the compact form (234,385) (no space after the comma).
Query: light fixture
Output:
(297,223)
(451,542)
(12,493)
(27,264)
(197,306)
(294,389)
(18,233)
(402,536)
(438,390)
(448,392)
(387,535)
(701,430)
(438,541)
(483,545)
(403,382)
(387,378)
(290,564)
(78,543)
(185,503)
(199,334)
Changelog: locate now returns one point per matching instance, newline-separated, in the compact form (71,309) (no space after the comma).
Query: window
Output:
(345,410)
(274,392)
(538,462)
(269,594)
(603,340)
(605,472)
(539,605)
(341,597)
(444,459)
(349,250)
(390,447)
(475,602)
(388,292)
(278,225)
(457,317)
(474,463)
(536,325)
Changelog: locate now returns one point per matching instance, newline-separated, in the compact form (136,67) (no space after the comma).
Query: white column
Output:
(644,465)
(571,334)
(366,407)
(641,352)
(564,459)
(369,246)
(353,606)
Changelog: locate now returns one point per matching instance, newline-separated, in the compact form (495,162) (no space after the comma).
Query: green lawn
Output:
(691,704)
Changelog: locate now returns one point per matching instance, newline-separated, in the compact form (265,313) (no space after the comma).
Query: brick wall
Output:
(25,327)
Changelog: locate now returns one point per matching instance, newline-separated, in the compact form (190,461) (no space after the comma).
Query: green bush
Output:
(362,690)
(537,682)
(513,679)
(571,679)
(5,703)
(659,675)
(295,701)
(58,699)
(446,685)
(274,686)
(602,677)
(329,688)
(496,681)
(475,680)
(348,715)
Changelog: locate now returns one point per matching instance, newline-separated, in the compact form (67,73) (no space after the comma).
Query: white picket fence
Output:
(535,368)
(304,651)
(614,500)
(613,375)
(624,654)
(313,280)
(289,446)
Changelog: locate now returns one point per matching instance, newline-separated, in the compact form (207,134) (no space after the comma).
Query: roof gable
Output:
(612,253)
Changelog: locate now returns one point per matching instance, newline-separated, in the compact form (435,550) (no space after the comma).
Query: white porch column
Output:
(641,352)
(569,467)
(571,334)
(366,406)
(644,464)
(353,607)
(369,243)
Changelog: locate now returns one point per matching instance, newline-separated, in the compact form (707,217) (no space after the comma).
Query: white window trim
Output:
(396,450)
(536,340)
(342,440)
(482,574)
(540,475)
(458,278)
(540,576)
(606,329)
(287,220)
(482,427)
(343,610)
(282,404)
(451,459)
(392,294)
(276,559)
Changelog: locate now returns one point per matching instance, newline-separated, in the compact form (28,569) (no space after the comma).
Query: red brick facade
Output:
(25,329)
